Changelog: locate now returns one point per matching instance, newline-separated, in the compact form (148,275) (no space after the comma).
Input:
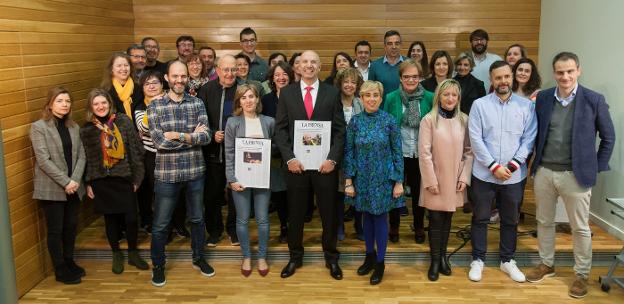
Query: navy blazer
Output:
(591,116)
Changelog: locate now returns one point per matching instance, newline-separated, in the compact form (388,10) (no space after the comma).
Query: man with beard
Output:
(152,49)
(502,128)
(138,59)
(482,58)
(186,46)
(179,127)
(208,57)
(218,98)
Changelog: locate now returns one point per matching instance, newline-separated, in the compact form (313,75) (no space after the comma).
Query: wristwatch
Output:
(182,136)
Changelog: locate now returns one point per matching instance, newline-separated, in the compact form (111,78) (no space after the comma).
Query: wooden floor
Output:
(311,284)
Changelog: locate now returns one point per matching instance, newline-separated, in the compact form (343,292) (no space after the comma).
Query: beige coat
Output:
(445,158)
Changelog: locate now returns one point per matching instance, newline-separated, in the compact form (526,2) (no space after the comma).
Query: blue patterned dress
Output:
(374,161)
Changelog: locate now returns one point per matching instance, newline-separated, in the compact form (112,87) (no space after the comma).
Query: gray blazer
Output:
(51,175)
(235,127)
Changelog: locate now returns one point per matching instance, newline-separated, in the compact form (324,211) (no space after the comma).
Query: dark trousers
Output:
(281,199)
(510,198)
(145,193)
(412,174)
(376,232)
(299,188)
(214,199)
(61,220)
(115,223)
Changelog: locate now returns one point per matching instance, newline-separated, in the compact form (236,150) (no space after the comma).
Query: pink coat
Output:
(445,158)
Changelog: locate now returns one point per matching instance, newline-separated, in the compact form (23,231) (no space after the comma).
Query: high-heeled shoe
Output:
(245,272)
(263,272)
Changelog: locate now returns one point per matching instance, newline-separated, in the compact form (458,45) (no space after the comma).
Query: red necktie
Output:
(307,102)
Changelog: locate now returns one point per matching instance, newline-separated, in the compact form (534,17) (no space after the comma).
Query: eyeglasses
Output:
(151,83)
(478,40)
(186,44)
(232,70)
(390,43)
(151,47)
(410,77)
(138,56)
(248,41)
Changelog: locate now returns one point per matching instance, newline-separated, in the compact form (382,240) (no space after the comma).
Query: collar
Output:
(476,58)
(385,59)
(315,85)
(503,101)
(367,67)
(566,101)
(168,99)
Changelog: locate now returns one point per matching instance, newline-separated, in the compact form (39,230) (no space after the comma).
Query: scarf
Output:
(110,138)
(411,102)
(125,94)
(446,113)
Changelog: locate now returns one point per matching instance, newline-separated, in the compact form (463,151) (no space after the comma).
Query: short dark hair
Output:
(523,52)
(499,64)
(437,55)
(274,55)
(563,56)
(149,38)
(294,56)
(243,56)
(363,43)
(207,48)
(479,33)
(247,31)
(334,68)
(391,33)
(151,74)
(535,81)
(185,38)
(284,66)
(170,63)
(135,47)
(424,62)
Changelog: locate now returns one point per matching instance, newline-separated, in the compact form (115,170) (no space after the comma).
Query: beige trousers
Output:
(548,185)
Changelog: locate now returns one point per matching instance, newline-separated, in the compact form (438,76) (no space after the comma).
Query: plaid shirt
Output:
(177,161)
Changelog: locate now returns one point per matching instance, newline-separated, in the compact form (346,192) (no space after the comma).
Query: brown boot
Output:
(539,273)
(578,289)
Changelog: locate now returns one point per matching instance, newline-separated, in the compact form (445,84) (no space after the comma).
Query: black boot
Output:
(445,267)
(434,246)
(66,276)
(71,265)
(378,273)
(369,264)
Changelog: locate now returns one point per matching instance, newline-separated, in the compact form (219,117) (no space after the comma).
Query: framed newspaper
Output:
(252,162)
(311,142)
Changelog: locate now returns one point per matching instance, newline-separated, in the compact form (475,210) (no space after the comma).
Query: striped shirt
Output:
(140,119)
(177,161)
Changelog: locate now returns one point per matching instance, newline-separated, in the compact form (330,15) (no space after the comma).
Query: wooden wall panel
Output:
(329,27)
(45,43)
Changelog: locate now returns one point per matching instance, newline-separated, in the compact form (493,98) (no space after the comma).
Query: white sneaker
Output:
(476,268)
(512,270)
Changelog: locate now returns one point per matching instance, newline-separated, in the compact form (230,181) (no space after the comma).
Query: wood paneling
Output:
(330,26)
(45,43)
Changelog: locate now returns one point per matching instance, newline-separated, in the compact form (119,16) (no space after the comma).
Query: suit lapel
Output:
(299,100)
(579,99)
(320,97)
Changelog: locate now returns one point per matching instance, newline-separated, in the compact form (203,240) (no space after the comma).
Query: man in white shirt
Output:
(363,52)
(483,59)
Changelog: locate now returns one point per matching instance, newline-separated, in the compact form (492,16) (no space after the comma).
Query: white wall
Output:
(592,30)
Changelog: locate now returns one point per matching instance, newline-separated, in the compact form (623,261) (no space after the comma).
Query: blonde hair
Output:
(89,108)
(443,86)
(371,85)
(46,112)
(240,91)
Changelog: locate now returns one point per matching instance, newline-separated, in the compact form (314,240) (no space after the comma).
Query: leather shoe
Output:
(334,270)
(290,268)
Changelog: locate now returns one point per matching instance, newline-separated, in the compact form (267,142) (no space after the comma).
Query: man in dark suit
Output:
(310,99)
(566,164)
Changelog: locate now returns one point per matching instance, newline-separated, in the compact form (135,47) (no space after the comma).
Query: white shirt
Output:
(253,128)
(363,72)
(482,68)
(313,92)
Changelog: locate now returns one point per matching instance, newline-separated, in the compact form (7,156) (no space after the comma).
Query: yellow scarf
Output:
(125,94)
(112,143)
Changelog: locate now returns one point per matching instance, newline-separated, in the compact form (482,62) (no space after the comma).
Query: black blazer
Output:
(210,93)
(327,108)
(471,90)
(591,116)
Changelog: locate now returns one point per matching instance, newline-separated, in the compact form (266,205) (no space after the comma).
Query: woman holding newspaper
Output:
(247,122)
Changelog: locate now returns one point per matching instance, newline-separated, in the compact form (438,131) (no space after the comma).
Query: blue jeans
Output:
(242,201)
(165,200)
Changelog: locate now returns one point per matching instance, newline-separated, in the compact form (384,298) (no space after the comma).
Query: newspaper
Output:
(252,165)
(311,142)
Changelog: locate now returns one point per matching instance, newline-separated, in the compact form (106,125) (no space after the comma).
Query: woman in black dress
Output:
(113,173)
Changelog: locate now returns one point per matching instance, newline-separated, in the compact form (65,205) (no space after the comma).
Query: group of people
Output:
(159,143)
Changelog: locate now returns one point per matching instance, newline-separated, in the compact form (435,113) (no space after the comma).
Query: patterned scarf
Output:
(125,94)
(110,138)
(411,102)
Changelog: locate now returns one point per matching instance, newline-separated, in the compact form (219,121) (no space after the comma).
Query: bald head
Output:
(310,66)
(226,70)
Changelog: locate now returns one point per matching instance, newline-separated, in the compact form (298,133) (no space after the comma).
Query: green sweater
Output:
(394,106)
